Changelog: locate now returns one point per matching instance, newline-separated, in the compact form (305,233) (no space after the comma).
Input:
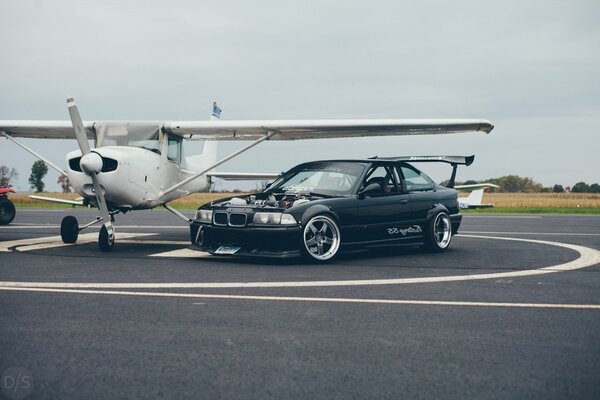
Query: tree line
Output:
(518,184)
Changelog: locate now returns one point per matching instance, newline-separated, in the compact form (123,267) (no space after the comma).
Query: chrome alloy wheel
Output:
(442,230)
(321,238)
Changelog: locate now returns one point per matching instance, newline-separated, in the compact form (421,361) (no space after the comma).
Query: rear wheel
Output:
(69,229)
(321,238)
(106,240)
(438,233)
(7,211)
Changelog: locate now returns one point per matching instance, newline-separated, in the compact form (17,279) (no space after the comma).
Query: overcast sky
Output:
(532,68)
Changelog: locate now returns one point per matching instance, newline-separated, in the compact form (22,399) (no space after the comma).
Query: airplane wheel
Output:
(438,233)
(106,241)
(7,211)
(69,229)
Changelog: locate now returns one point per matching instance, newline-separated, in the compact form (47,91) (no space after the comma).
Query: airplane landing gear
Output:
(106,239)
(69,229)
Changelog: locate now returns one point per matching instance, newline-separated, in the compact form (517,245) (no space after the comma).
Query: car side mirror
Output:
(371,188)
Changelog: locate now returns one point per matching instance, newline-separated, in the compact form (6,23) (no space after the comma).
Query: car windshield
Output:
(328,178)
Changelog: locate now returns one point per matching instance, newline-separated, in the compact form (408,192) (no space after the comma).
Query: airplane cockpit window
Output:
(174,150)
(116,134)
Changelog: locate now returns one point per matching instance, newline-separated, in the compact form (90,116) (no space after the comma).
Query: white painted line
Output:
(311,299)
(587,258)
(183,253)
(503,216)
(56,241)
(527,233)
(97,228)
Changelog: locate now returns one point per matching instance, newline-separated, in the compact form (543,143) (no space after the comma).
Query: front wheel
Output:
(106,240)
(321,238)
(438,233)
(7,211)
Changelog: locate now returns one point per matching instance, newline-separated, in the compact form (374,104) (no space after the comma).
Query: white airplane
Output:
(473,200)
(141,165)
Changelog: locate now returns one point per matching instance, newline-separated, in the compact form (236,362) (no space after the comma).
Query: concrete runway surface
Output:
(511,311)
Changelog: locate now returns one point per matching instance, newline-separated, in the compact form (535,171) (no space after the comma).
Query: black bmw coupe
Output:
(320,208)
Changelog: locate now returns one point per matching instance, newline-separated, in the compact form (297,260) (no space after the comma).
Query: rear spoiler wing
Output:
(455,161)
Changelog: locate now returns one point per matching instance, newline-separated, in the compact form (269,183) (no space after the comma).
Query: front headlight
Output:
(204,216)
(274,219)
(267,218)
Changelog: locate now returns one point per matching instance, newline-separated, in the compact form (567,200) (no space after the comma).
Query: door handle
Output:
(403,201)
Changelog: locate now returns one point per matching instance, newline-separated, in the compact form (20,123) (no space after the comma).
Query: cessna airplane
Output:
(141,165)
(473,200)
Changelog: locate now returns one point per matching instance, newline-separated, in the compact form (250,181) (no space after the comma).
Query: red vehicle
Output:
(7,208)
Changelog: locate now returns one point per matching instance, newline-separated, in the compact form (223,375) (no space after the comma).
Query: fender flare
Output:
(436,209)
(318,209)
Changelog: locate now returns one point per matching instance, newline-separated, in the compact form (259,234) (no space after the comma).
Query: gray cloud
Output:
(530,67)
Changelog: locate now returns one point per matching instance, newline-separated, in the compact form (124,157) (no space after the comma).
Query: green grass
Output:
(534,210)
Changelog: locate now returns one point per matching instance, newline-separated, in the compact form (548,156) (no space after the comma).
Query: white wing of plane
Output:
(475,186)
(256,129)
(241,176)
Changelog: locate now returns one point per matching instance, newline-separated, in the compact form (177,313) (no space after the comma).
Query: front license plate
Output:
(227,250)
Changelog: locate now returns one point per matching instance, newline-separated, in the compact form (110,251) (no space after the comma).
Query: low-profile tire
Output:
(438,233)
(105,241)
(69,229)
(321,239)
(7,211)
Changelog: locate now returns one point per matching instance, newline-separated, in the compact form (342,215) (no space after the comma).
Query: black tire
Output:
(106,241)
(7,211)
(320,239)
(69,229)
(438,233)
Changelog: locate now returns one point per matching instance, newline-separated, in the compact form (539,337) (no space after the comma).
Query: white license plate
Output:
(227,250)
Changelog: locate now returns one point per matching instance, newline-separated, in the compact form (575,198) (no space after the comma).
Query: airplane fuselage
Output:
(133,178)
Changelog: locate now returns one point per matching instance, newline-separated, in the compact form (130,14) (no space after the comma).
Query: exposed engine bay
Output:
(268,200)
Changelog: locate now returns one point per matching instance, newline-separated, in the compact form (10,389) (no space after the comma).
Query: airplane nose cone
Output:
(91,163)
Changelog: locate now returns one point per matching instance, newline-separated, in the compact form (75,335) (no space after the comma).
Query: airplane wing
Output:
(475,186)
(322,129)
(256,129)
(44,129)
(242,176)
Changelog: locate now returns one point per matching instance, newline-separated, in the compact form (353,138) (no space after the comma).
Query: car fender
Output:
(436,209)
(318,209)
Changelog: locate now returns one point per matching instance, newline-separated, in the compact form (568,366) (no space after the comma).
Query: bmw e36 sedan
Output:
(318,209)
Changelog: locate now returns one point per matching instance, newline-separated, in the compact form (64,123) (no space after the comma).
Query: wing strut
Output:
(268,135)
(36,154)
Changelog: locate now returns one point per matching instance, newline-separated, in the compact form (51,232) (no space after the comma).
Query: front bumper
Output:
(272,241)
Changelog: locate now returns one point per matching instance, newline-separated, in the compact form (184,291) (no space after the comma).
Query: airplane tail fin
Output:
(474,198)
(209,154)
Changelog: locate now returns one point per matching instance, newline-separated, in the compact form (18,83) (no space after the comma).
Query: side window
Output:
(416,180)
(385,177)
(174,150)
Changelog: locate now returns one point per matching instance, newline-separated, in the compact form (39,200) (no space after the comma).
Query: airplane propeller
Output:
(91,164)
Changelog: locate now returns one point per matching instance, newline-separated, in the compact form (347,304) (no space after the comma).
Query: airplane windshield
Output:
(142,136)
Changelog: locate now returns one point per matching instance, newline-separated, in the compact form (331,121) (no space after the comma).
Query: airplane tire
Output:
(69,229)
(438,233)
(7,211)
(105,241)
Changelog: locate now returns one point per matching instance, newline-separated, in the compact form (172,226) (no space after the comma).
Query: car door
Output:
(381,213)
(419,188)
